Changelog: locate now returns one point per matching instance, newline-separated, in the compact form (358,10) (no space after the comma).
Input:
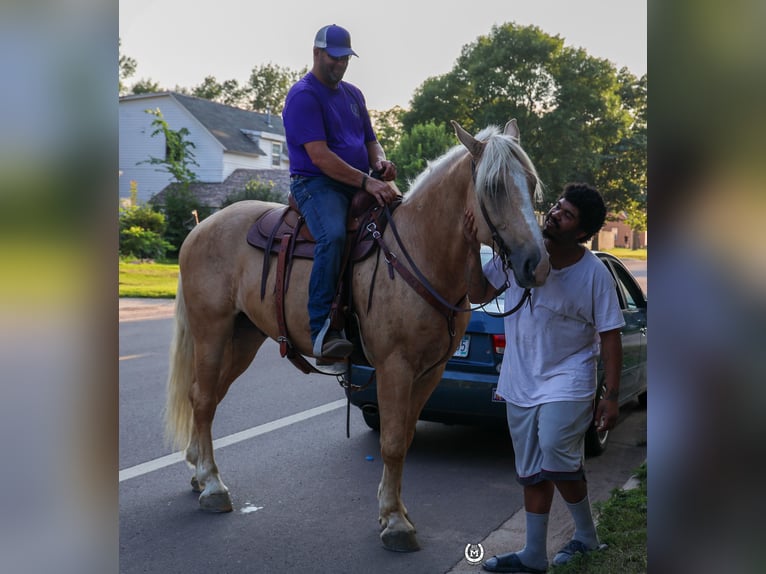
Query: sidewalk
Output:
(511,535)
(613,469)
(139,309)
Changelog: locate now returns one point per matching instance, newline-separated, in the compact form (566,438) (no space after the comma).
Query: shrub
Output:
(142,243)
(142,216)
(256,189)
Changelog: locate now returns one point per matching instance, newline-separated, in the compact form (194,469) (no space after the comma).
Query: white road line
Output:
(170,459)
(126,357)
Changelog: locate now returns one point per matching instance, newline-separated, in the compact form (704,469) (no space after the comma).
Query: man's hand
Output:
(386,170)
(470,231)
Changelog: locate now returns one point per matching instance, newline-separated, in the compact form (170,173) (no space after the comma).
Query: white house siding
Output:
(235,161)
(137,144)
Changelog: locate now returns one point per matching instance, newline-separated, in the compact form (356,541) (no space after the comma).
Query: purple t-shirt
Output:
(314,112)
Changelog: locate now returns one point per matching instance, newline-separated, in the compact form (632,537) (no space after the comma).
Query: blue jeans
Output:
(324,204)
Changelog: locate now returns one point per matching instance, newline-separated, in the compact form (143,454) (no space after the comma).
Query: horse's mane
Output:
(500,150)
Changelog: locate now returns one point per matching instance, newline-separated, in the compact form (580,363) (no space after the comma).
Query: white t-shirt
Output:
(552,342)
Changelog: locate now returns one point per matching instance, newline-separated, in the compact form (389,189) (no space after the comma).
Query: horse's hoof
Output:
(195,485)
(218,502)
(399,541)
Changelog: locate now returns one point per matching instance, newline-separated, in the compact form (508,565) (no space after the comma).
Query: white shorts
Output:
(549,440)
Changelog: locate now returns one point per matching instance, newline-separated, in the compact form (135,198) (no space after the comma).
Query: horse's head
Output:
(505,182)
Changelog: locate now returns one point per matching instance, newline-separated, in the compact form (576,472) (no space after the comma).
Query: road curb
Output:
(511,535)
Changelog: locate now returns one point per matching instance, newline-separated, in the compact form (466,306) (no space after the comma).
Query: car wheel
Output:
(371,417)
(595,441)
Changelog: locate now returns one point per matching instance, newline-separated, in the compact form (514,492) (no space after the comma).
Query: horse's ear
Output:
(474,146)
(512,129)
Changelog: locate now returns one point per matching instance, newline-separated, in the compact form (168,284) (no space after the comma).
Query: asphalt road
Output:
(303,493)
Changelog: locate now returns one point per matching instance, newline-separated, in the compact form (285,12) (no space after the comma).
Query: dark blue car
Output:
(466,392)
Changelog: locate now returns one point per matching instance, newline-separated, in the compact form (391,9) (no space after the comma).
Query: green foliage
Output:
(178,150)
(145,86)
(269,84)
(636,215)
(580,119)
(127,67)
(256,189)
(141,243)
(229,92)
(180,205)
(143,216)
(265,91)
(424,142)
(388,127)
(622,522)
(148,279)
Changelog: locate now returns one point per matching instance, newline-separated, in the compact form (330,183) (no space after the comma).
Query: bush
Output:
(142,216)
(142,243)
(180,202)
(255,189)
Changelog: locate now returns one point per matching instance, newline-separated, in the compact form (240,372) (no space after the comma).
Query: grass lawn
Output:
(139,279)
(624,253)
(622,526)
(159,280)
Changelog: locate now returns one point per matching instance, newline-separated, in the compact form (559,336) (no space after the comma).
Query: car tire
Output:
(595,441)
(371,417)
(642,400)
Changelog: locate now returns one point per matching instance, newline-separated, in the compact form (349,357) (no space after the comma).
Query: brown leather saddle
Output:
(283,232)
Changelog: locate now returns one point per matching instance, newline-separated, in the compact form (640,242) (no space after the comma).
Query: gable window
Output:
(276,154)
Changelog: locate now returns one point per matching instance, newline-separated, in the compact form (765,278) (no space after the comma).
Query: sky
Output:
(400,43)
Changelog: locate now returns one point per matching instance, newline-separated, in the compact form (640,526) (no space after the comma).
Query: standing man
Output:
(548,374)
(332,148)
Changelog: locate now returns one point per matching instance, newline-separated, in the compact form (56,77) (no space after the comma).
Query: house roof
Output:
(225,123)
(214,194)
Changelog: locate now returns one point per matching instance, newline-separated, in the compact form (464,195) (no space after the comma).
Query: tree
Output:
(144,86)
(229,92)
(422,143)
(268,86)
(179,201)
(255,189)
(388,127)
(127,67)
(178,150)
(569,105)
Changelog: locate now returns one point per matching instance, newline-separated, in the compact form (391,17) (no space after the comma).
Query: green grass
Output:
(624,253)
(138,279)
(621,525)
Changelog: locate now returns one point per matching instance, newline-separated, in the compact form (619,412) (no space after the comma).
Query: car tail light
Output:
(498,344)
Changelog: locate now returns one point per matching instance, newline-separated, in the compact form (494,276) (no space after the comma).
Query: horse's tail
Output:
(178,407)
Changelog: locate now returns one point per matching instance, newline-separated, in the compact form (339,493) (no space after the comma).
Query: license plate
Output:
(462,348)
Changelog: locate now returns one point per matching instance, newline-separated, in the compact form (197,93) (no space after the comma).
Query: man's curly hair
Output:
(590,204)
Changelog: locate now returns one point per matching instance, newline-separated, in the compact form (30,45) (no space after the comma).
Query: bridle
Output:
(503,251)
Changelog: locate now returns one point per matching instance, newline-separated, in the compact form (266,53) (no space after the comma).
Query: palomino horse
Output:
(221,320)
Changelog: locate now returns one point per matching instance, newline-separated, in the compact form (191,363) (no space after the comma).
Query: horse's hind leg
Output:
(218,362)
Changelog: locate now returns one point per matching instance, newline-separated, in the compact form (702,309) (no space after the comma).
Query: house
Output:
(231,145)
(617,233)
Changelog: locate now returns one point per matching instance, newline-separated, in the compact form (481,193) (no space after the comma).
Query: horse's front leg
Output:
(399,408)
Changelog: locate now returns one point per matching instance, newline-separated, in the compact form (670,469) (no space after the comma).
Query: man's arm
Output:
(608,409)
(330,164)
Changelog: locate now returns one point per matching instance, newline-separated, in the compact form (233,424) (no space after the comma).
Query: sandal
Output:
(509,563)
(571,548)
